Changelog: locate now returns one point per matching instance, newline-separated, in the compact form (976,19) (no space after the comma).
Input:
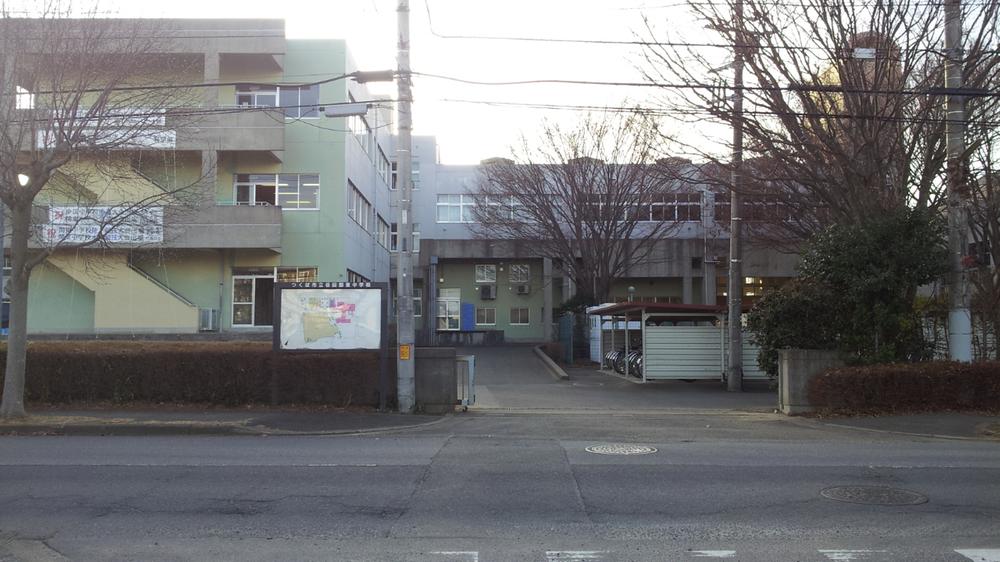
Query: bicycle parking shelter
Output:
(676,341)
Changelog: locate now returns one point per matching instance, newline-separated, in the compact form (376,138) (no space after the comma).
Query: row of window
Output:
(449,315)
(516,273)
(297,101)
(289,191)
(460,208)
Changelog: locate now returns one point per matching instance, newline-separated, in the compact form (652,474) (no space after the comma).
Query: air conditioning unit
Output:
(488,292)
(208,320)
(522,289)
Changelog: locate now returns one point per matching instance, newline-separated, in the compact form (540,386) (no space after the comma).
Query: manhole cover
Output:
(873,495)
(621,449)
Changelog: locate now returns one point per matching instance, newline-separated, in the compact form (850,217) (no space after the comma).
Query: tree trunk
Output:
(17,340)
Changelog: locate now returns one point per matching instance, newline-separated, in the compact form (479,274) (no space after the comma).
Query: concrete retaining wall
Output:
(436,380)
(796,367)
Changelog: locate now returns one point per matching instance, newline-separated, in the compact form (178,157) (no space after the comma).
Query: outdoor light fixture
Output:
(23,179)
(345,110)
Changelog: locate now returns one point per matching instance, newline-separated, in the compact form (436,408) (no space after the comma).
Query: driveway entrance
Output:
(514,378)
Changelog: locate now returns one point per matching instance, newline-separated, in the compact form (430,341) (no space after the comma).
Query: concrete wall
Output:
(57,303)
(437,385)
(796,367)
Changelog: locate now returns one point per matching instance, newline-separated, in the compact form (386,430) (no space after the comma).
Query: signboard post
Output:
(333,316)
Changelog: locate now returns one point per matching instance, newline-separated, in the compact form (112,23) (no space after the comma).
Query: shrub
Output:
(857,291)
(908,387)
(222,373)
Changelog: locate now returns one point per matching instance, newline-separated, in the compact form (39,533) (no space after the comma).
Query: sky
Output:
(469,121)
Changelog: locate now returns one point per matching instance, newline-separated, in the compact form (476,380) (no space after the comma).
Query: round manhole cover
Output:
(621,449)
(873,495)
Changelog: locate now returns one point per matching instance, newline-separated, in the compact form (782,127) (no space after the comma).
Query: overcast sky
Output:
(469,132)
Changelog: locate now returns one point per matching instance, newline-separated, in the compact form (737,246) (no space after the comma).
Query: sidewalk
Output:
(189,421)
(951,425)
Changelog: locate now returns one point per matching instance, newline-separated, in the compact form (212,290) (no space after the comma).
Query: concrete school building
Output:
(470,287)
(292,195)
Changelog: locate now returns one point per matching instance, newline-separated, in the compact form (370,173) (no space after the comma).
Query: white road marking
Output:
(468,555)
(850,554)
(557,555)
(713,553)
(981,554)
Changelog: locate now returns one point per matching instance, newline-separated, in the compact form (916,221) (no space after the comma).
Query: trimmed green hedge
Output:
(908,387)
(222,373)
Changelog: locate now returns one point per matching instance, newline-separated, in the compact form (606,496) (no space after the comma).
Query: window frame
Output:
(485,278)
(519,280)
(484,322)
(527,314)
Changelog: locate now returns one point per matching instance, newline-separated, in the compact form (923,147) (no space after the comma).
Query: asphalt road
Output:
(502,487)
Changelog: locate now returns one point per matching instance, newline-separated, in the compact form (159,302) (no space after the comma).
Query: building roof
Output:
(624,308)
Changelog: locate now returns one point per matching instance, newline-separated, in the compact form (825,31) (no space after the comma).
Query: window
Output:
(519,316)
(415,237)
(290,191)
(520,273)
(297,274)
(256,95)
(383,166)
(676,207)
(392,185)
(486,316)
(394,237)
(382,231)
(486,273)
(358,207)
(299,101)
(354,277)
(455,208)
(418,301)
(448,314)
(24,99)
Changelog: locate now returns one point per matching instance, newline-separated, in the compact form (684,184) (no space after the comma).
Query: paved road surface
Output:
(501,487)
(513,378)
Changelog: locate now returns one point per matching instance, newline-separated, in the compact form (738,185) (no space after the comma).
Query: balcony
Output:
(222,226)
(232,129)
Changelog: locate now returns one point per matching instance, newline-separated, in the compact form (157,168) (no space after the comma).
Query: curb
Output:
(554,370)
(128,430)
(808,422)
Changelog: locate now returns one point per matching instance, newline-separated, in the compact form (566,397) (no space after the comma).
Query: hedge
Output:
(908,387)
(220,373)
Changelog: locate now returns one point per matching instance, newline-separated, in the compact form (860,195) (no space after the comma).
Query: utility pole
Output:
(734,372)
(959,317)
(405,357)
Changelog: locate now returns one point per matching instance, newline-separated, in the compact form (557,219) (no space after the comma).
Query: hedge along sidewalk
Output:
(899,388)
(218,373)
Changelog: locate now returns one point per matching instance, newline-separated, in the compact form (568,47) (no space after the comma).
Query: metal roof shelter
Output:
(677,341)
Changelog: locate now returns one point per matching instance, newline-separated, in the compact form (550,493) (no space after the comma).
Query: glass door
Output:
(253,300)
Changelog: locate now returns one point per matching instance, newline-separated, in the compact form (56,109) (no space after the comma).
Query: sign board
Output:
(117,225)
(405,351)
(329,316)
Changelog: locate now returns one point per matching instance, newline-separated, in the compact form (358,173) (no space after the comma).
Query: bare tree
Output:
(592,196)
(984,222)
(79,95)
(843,99)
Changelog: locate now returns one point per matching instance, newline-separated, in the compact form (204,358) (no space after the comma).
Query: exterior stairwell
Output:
(126,299)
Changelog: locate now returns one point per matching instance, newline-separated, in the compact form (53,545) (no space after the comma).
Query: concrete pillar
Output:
(708,282)
(210,97)
(547,298)
(210,158)
(569,287)
(431,300)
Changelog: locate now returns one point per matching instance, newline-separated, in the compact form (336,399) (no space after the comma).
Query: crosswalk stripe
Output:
(467,555)
(557,555)
(856,554)
(713,553)
(981,554)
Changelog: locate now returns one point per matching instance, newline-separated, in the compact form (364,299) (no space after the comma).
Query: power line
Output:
(704,112)
(834,89)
